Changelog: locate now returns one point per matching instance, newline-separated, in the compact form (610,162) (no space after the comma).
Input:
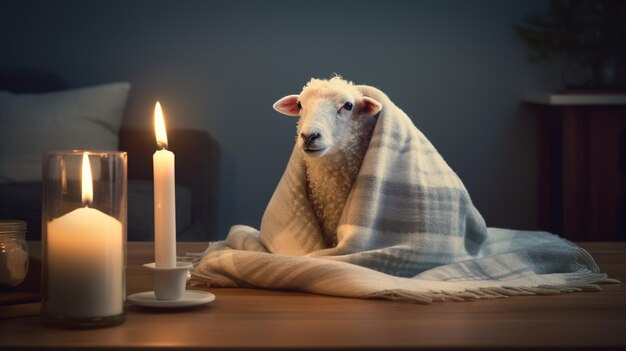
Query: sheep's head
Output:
(329,110)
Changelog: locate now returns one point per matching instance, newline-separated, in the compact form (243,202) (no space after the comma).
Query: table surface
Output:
(250,318)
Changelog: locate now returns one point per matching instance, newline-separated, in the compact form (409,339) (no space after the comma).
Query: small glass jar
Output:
(13,253)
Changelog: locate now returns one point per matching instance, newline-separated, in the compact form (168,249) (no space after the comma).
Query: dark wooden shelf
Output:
(582,180)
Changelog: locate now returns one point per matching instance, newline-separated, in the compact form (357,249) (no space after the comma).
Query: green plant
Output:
(591,30)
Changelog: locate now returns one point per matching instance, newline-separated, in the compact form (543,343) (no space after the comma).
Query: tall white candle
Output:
(164,197)
(85,262)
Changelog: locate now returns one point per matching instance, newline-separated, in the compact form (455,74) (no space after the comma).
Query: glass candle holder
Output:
(84,238)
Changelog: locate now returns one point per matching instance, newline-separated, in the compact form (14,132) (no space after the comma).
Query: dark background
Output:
(456,67)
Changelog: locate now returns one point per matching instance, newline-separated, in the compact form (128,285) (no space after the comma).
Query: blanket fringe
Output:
(484,293)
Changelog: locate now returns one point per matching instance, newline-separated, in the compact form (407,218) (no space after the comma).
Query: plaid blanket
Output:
(408,231)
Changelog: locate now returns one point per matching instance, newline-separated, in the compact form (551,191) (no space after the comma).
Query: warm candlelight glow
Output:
(159,126)
(87,181)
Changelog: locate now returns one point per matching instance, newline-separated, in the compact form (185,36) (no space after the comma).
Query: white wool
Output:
(335,83)
(330,178)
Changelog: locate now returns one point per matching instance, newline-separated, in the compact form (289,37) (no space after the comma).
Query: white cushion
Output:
(30,124)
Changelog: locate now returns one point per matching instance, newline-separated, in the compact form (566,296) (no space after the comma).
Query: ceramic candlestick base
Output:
(169,283)
(169,288)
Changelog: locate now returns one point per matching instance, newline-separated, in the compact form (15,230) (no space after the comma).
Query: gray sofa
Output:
(197,173)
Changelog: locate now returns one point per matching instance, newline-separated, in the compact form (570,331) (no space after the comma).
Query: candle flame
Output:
(159,126)
(87,181)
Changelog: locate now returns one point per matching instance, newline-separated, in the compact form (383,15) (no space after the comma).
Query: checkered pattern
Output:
(409,231)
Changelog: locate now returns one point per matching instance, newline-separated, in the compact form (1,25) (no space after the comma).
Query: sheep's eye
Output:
(299,106)
(348,106)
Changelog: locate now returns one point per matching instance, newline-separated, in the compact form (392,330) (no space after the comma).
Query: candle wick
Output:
(162,146)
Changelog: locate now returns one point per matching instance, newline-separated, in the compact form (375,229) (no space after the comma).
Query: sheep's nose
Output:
(308,138)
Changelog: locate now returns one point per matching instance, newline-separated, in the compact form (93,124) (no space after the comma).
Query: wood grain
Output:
(250,318)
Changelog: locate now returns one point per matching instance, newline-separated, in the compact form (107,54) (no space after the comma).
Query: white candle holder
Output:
(169,288)
(84,238)
(169,283)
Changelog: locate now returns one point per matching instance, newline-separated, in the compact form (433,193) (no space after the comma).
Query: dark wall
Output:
(455,67)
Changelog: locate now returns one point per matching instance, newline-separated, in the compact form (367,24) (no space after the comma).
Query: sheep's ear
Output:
(370,106)
(288,105)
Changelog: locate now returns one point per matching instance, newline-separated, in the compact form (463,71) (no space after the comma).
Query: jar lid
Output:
(8,226)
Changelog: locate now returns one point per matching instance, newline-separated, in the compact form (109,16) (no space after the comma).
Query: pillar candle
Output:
(85,260)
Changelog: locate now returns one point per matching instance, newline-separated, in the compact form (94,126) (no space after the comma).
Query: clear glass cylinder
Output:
(84,238)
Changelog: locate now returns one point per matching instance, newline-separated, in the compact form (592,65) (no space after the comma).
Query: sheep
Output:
(335,124)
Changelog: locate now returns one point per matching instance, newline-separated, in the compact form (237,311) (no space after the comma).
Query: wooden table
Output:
(248,318)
